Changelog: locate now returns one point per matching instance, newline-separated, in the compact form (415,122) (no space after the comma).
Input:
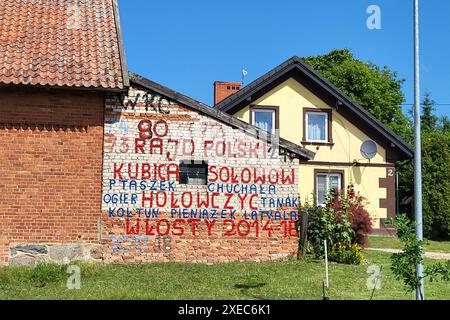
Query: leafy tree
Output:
(379,91)
(435,173)
(376,89)
(436,183)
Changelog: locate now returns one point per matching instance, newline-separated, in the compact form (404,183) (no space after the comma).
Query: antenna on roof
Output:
(244,74)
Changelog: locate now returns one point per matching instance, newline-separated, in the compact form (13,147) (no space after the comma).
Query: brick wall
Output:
(145,230)
(50,164)
(223,90)
(61,195)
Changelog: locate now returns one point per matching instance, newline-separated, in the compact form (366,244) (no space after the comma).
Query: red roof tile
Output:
(61,43)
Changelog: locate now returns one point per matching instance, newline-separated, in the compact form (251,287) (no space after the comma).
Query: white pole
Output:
(326,263)
(420,292)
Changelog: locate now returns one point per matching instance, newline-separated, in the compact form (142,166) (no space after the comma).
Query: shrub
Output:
(361,224)
(403,264)
(343,223)
(320,228)
(324,223)
(359,217)
(346,252)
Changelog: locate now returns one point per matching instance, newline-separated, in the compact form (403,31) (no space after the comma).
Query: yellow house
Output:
(350,145)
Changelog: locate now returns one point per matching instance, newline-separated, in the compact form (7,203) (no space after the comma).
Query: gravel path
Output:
(431,255)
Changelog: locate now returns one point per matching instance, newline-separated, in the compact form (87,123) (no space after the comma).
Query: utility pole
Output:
(420,291)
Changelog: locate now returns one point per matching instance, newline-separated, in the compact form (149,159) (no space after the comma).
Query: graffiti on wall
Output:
(170,172)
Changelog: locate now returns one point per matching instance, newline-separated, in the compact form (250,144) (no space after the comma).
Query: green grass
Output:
(271,280)
(386,242)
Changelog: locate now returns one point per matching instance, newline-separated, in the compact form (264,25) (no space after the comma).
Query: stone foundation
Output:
(31,254)
(205,251)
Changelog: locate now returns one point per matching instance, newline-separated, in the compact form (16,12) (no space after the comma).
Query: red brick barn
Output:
(57,63)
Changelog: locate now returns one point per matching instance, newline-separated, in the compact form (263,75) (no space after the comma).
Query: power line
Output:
(434,104)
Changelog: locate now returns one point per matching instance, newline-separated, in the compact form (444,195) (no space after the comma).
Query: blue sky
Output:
(187,45)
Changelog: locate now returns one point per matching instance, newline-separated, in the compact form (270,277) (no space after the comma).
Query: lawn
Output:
(386,242)
(272,280)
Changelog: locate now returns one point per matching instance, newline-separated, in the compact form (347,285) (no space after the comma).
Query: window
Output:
(316,126)
(325,182)
(193,172)
(265,118)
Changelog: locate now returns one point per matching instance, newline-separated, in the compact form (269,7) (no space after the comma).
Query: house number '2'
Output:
(390,172)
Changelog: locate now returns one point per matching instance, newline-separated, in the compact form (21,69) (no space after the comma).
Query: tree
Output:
(436,183)
(445,124)
(435,173)
(379,91)
(429,120)
(376,89)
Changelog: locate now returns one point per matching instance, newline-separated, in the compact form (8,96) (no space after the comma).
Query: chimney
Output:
(225,89)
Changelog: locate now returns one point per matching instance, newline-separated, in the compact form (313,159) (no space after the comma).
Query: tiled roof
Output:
(61,43)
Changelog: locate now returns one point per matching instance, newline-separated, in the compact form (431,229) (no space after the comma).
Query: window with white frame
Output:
(326,182)
(264,119)
(316,126)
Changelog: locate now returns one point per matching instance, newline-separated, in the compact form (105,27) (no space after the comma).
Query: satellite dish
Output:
(369,149)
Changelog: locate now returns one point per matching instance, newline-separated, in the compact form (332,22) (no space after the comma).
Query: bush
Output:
(324,223)
(320,228)
(404,263)
(343,223)
(359,217)
(346,252)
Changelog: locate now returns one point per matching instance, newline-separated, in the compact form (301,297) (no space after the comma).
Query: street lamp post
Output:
(420,292)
